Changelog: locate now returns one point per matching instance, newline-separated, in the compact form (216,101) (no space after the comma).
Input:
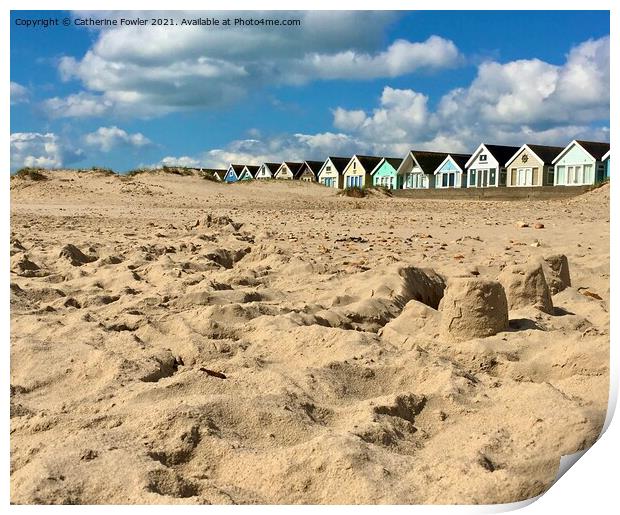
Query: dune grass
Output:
(100,169)
(33,174)
(209,177)
(177,170)
(354,192)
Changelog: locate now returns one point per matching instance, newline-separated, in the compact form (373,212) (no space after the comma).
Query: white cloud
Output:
(584,80)
(275,149)
(512,103)
(108,138)
(320,31)
(19,93)
(179,161)
(78,105)
(401,113)
(348,120)
(536,93)
(400,58)
(319,146)
(36,149)
(148,71)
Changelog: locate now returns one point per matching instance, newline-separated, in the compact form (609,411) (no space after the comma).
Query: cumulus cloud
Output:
(348,120)
(523,100)
(320,31)
(291,147)
(179,161)
(401,113)
(78,105)
(19,93)
(148,71)
(108,138)
(536,93)
(44,150)
(400,58)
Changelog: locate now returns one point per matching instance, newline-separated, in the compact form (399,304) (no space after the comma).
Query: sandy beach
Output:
(176,340)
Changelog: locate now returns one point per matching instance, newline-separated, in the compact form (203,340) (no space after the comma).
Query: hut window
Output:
(328,168)
(561,175)
(492,176)
(483,158)
(472,177)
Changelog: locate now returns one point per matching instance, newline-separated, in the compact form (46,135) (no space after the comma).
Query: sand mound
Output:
(416,320)
(371,299)
(16,246)
(22,265)
(75,256)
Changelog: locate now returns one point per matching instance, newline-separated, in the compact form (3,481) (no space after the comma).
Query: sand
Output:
(175,340)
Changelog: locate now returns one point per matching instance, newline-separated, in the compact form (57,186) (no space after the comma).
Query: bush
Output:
(103,170)
(354,192)
(138,171)
(33,174)
(177,170)
(210,177)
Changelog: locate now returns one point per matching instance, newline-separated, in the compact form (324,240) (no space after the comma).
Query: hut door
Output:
(524,177)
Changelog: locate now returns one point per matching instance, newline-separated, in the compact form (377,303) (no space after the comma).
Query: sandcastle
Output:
(525,285)
(473,308)
(557,273)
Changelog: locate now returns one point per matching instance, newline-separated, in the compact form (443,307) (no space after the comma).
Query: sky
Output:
(341,82)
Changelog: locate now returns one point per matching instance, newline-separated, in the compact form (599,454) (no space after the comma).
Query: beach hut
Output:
(417,170)
(330,174)
(532,165)
(486,166)
(287,170)
(452,172)
(217,173)
(308,171)
(357,172)
(385,173)
(233,173)
(267,170)
(248,173)
(606,163)
(581,163)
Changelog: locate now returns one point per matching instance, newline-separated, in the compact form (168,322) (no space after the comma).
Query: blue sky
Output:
(343,82)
